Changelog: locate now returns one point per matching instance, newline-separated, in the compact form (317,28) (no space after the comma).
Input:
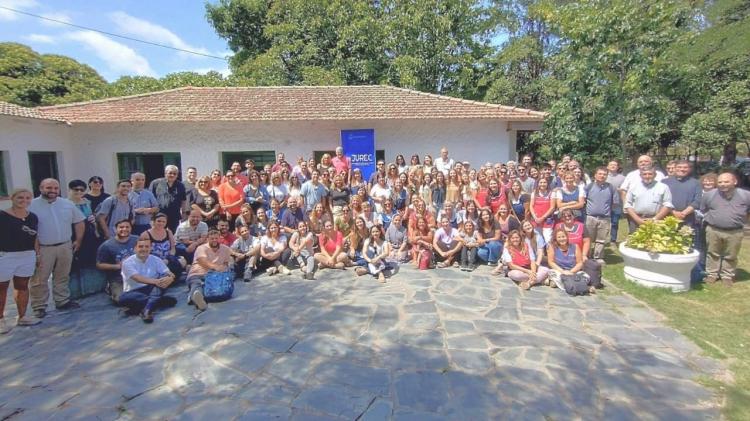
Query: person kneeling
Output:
(521,259)
(145,277)
(211,256)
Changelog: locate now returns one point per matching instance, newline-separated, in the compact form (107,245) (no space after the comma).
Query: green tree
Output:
(719,57)
(30,79)
(615,82)
(431,45)
(133,85)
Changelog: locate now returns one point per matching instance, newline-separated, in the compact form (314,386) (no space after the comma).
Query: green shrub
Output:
(665,236)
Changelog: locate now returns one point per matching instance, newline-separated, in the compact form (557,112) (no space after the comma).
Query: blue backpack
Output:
(218,286)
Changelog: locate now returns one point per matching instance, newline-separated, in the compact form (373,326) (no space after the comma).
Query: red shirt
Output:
(520,257)
(228,239)
(575,234)
(330,244)
(230,194)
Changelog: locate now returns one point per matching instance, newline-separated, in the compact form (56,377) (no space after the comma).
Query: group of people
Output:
(537,223)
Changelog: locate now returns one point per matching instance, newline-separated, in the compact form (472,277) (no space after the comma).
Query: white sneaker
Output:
(4,327)
(271,271)
(27,321)
(558,283)
(285,270)
(199,300)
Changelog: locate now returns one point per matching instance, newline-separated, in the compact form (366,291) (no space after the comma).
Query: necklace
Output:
(15,213)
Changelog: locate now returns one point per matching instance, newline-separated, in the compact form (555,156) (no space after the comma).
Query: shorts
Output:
(17,263)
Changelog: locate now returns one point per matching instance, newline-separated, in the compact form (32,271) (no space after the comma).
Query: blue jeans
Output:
(615,218)
(490,251)
(143,298)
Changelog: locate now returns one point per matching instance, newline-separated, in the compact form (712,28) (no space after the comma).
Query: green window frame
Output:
(260,158)
(130,162)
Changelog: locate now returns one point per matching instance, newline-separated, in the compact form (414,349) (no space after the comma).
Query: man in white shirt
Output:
(634,177)
(145,278)
(647,200)
(443,163)
(56,217)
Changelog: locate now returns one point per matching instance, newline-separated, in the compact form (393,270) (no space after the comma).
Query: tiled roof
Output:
(6,108)
(283,103)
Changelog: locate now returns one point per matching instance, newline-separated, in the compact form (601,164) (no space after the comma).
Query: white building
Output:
(210,127)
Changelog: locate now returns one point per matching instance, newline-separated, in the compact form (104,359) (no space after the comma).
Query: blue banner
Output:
(359,147)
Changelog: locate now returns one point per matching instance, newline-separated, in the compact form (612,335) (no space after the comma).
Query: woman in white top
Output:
(375,251)
(277,190)
(302,251)
(273,251)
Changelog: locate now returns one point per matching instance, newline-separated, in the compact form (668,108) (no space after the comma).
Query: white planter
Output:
(659,270)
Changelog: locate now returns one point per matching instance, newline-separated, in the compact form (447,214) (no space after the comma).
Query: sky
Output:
(177,23)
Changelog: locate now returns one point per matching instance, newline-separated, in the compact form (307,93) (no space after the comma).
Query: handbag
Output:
(218,286)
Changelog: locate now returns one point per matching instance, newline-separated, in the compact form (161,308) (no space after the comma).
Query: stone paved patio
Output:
(432,345)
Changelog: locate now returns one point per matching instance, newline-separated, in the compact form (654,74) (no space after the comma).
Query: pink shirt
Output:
(341,164)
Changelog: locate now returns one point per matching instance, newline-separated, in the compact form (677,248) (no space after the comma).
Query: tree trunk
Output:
(730,153)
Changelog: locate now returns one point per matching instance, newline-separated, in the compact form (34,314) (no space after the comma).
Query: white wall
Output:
(18,136)
(201,144)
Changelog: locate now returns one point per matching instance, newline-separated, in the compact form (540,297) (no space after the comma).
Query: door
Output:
(42,165)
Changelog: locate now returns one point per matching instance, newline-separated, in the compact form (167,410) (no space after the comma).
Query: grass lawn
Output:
(715,317)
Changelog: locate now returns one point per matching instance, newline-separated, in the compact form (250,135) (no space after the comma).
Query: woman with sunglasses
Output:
(96,194)
(206,201)
(85,257)
(215,180)
(392,174)
(231,197)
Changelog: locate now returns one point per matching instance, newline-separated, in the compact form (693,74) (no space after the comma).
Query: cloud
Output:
(118,57)
(39,39)
(7,15)
(143,29)
(61,16)
(225,71)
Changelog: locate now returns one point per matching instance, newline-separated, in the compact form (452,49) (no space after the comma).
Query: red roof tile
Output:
(285,103)
(6,108)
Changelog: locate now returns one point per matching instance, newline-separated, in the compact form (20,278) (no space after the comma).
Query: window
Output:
(260,158)
(151,164)
(3,175)
(42,165)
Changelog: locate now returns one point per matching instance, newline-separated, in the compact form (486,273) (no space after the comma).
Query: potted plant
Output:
(660,254)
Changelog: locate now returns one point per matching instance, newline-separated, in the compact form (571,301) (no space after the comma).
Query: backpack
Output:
(218,286)
(576,284)
(594,270)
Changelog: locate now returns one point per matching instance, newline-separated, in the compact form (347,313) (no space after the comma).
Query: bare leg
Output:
(3,297)
(21,294)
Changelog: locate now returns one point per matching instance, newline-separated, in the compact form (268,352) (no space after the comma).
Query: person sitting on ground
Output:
(145,279)
(576,231)
(396,236)
(303,253)
(19,255)
(490,238)
(163,244)
(274,252)
(227,237)
(420,239)
(260,226)
(469,238)
(375,251)
(210,256)
(292,217)
(384,218)
(111,254)
(521,260)
(355,241)
(245,251)
(446,244)
(331,244)
(564,258)
(245,219)
(190,234)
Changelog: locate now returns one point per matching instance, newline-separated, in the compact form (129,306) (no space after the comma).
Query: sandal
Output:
(525,285)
